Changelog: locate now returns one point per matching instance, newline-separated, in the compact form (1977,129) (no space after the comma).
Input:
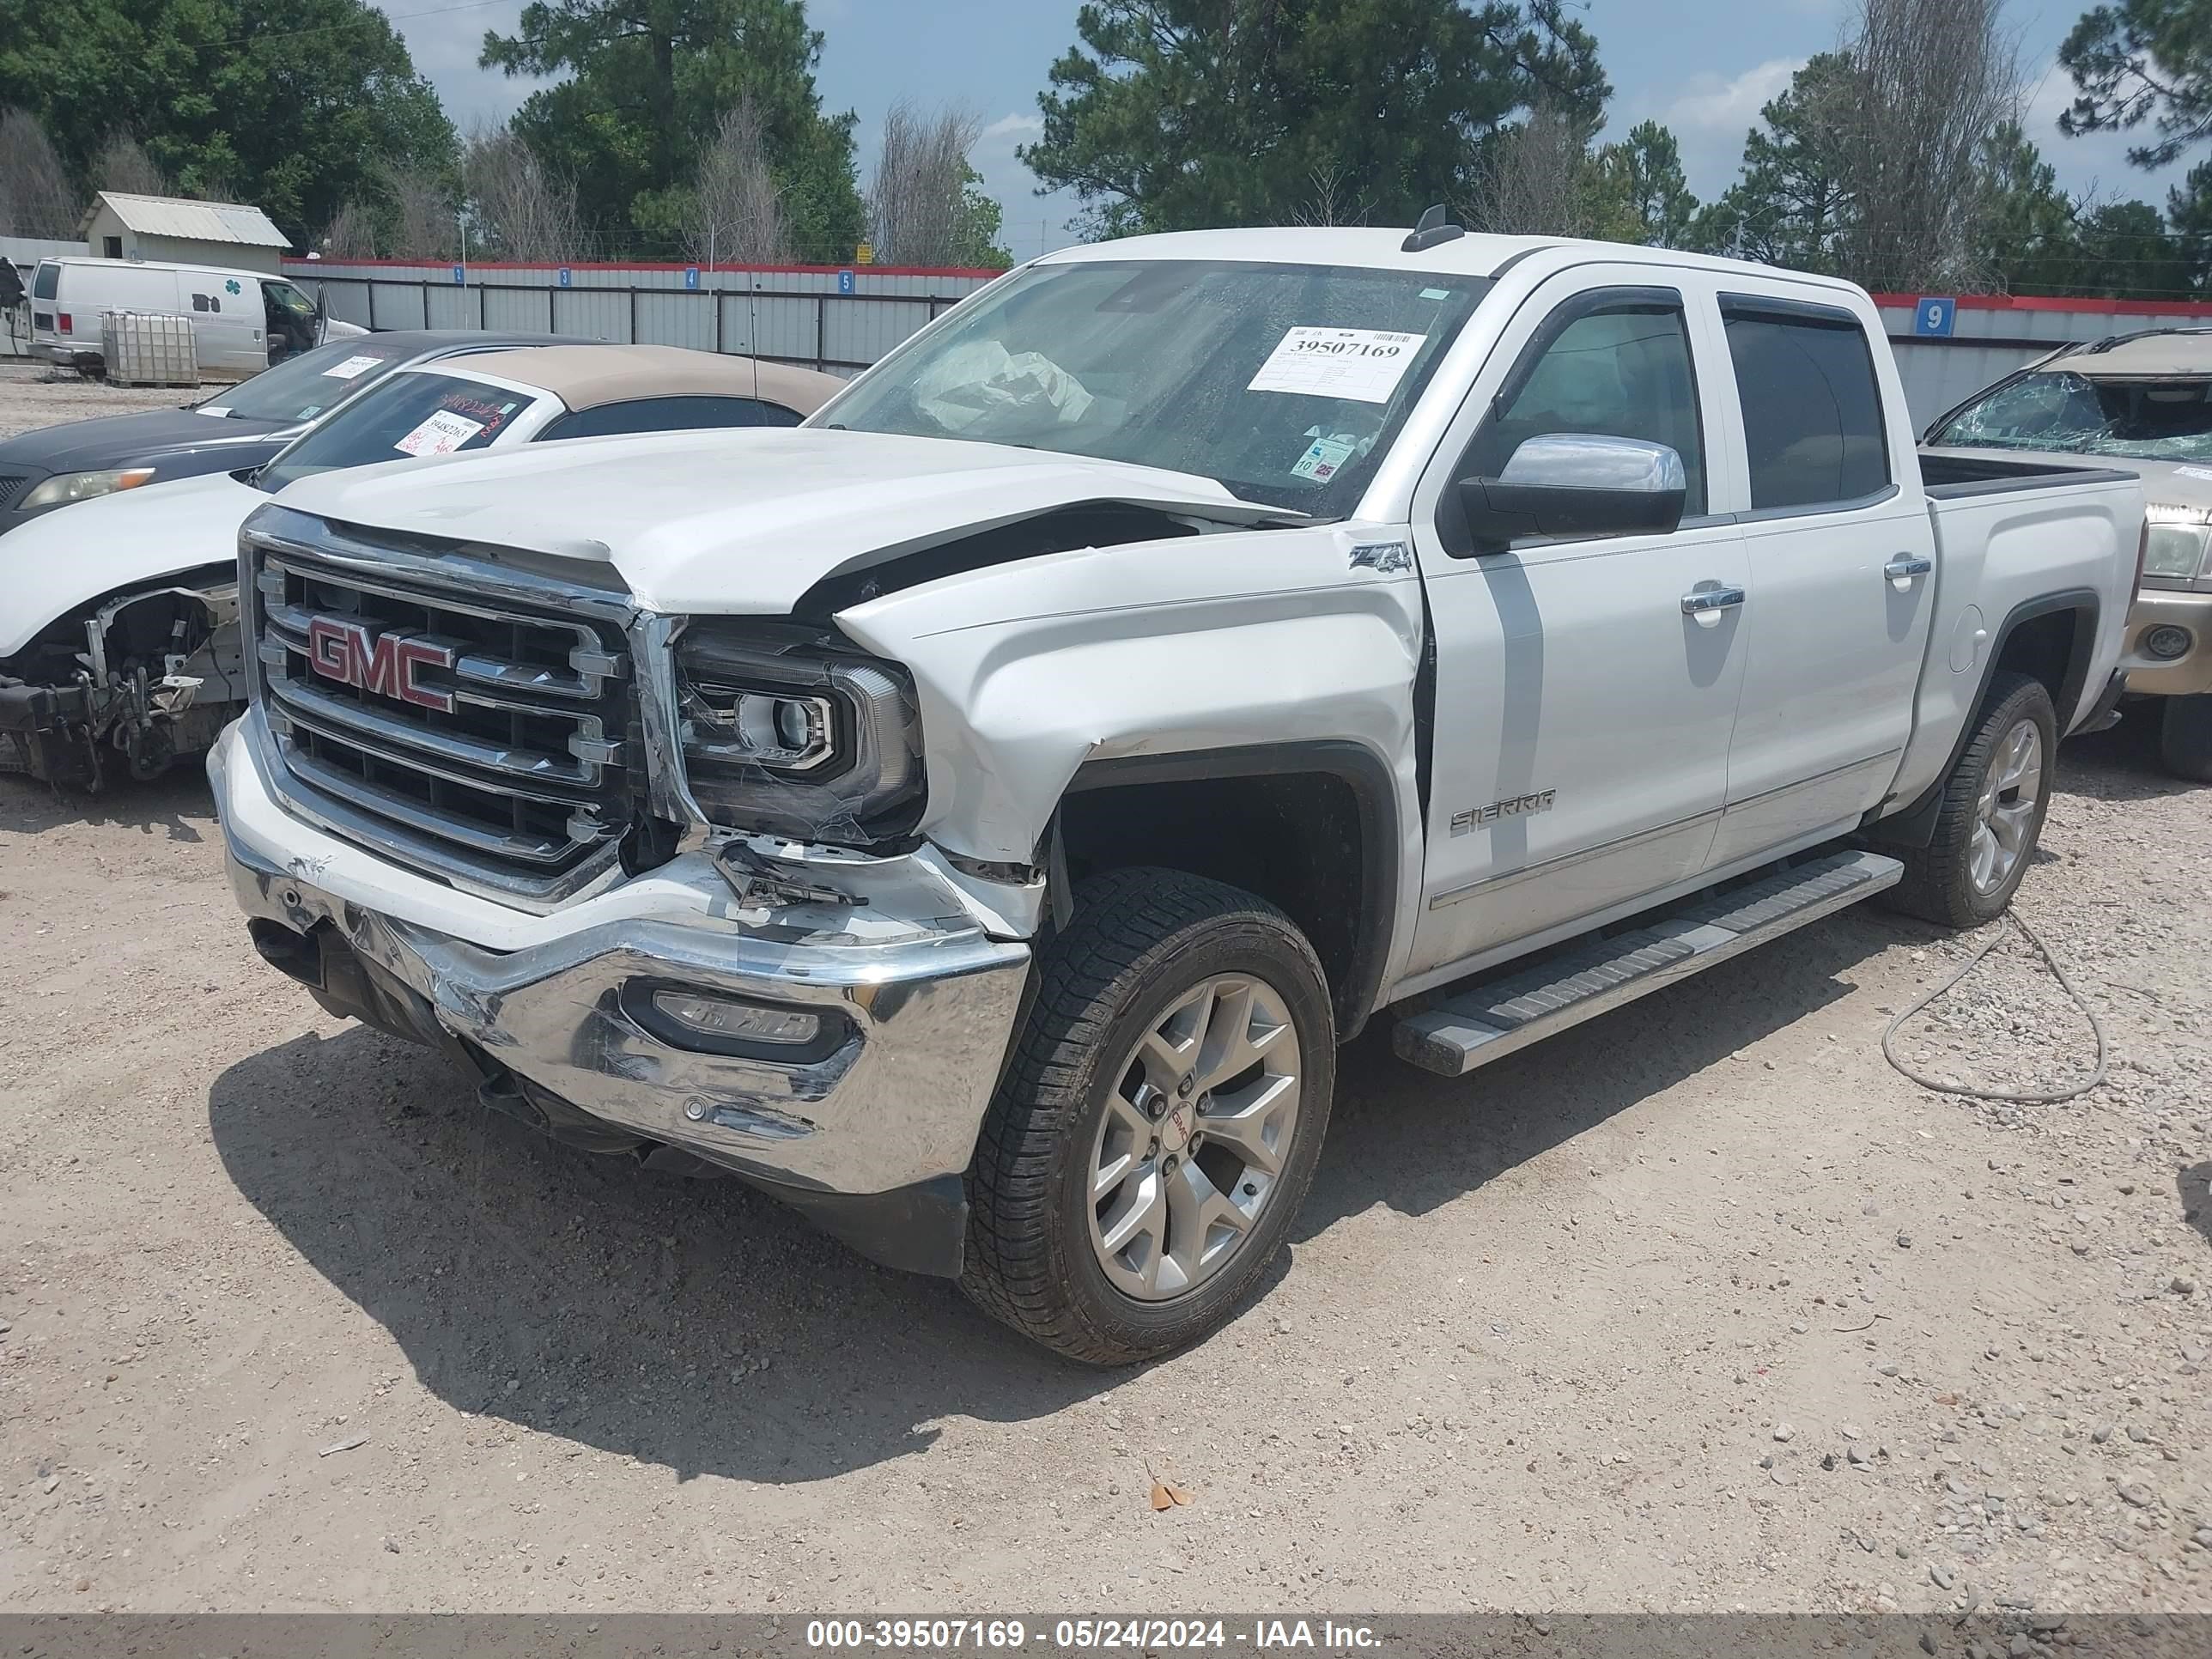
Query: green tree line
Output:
(697,127)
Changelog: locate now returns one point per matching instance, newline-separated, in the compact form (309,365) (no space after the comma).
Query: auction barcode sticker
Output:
(349,368)
(441,434)
(1364,364)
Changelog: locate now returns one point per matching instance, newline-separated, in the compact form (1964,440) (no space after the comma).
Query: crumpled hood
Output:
(57,562)
(117,441)
(740,522)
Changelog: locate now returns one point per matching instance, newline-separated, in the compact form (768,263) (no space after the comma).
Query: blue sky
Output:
(1704,68)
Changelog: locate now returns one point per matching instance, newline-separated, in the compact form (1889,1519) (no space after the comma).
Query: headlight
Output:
(786,732)
(2177,541)
(66,486)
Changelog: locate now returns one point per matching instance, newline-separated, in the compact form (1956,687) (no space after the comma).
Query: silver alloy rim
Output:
(2006,811)
(1195,1137)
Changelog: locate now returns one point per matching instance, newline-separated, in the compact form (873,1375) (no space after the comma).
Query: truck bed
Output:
(1947,476)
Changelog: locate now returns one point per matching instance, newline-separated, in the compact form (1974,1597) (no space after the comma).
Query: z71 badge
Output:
(1515,806)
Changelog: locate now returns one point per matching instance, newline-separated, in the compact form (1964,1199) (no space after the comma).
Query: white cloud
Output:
(1017,127)
(1710,115)
(1713,103)
(2095,164)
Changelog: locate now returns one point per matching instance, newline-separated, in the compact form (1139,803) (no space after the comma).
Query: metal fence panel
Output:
(841,321)
(861,334)
(676,318)
(398,305)
(517,310)
(593,315)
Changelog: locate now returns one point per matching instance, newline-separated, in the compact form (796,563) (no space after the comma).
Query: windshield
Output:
(416,414)
(300,388)
(2143,420)
(1284,383)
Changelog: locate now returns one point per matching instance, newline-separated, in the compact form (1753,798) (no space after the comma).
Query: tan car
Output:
(2142,402)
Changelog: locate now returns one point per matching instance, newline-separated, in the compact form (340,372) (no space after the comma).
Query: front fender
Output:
(63,560)
(1239,640)
(1027,672)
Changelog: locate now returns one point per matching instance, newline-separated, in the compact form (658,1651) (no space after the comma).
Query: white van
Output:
(242,320)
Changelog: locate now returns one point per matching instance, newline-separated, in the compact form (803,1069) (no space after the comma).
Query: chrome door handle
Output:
(1904,568)
(1704,605)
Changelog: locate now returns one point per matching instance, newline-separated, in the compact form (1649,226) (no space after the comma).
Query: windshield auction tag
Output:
(349,368)
(441,434)
(1364,364)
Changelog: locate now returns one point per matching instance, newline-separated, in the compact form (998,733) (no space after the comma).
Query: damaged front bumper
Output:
(868,1125)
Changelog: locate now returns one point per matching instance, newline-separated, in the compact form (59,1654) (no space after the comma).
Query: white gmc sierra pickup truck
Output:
(977,815)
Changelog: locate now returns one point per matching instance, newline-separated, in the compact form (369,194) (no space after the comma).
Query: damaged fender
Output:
(1027,672)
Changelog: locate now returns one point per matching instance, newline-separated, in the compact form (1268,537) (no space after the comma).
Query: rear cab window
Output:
(1814,431)
(46,280)
(419,413)
(678,414)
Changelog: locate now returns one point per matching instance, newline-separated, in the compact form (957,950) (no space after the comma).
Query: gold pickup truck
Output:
(2141,401)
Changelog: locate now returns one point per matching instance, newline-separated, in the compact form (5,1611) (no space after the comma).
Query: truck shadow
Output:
(175,805)
(693,1324)
(699,1326)
(2122,764)
(1410,1141)
(2195,1183)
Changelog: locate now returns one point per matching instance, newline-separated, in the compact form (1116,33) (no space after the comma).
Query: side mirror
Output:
(1576,484)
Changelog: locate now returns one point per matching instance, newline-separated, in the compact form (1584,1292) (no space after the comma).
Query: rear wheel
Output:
(1159,1125)
(2185,737)
(1990,814)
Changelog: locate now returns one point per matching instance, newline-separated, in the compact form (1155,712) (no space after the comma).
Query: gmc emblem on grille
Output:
(385,664)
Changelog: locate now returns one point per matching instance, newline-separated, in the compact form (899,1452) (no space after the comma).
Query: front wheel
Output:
(1991,812)
(1158,1128)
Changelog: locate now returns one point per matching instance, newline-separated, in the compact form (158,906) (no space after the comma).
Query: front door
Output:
(1842,575)
(1582,711)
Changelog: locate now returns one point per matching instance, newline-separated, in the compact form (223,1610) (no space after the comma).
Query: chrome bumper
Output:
(924,999)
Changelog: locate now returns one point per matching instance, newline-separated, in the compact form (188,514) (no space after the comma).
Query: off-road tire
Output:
(1938,884)
(2185,737)
(1138,938)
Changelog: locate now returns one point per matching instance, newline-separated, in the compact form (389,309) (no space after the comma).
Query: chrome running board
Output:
(1489,1021)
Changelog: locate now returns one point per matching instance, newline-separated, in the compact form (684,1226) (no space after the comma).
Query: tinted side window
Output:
(660,414)
(1623,371)
(44,281)
(1811,411)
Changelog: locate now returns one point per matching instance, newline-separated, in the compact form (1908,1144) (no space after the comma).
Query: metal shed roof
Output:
(199,222)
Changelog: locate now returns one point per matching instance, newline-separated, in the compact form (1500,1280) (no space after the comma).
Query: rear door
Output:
(1582,716)
(1842,561)
(46,283)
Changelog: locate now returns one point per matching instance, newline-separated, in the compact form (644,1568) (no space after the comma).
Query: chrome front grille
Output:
(499,754)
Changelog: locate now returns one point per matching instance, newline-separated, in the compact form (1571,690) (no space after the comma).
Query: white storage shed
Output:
(118,226)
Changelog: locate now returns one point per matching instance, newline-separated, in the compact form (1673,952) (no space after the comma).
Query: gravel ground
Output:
(1697,1307)
(34,395)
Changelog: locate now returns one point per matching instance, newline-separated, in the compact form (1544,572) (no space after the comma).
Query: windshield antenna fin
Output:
(1435,227)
